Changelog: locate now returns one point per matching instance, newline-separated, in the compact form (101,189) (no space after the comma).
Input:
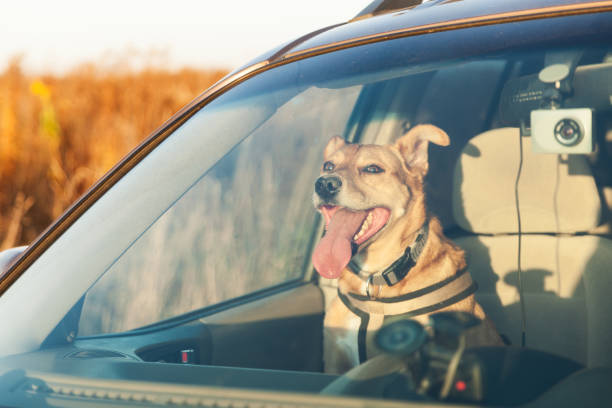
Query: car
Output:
(184,276)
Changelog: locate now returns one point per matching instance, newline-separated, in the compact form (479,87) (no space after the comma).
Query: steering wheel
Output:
(383,376)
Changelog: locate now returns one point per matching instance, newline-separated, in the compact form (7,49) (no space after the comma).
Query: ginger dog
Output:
(373,202)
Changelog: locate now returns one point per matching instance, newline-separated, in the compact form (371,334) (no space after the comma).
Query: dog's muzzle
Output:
(327,186)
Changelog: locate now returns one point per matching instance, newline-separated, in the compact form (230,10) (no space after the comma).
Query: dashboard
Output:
(65,377)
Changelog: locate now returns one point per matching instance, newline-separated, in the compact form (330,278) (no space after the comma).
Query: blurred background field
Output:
(64,121)
(60,133)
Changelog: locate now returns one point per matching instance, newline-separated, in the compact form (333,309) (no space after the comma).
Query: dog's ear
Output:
(333,145)
(413,146)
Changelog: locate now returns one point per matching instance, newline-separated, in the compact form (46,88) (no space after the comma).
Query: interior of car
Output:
(535,228)
(494,180)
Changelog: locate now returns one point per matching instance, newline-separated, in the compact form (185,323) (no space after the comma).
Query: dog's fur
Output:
(398,188)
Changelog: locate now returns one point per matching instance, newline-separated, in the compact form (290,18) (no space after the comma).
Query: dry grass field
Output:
(245,226)
(59,134)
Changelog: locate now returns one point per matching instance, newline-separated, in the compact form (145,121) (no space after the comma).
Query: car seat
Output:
(566,269)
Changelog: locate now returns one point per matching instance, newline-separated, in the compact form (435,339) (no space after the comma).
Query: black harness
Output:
(372,310)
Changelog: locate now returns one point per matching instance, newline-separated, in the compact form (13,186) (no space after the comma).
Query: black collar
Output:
(400,268)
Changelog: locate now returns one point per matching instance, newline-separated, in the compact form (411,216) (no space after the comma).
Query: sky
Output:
(59,35)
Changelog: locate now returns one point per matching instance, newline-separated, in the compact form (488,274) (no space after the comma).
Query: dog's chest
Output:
(346,338)
(352,331)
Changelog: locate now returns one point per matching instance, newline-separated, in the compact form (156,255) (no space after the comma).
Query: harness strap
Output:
(364,318)
(372,311)
(426,300)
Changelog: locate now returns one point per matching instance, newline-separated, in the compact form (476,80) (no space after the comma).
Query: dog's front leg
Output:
(340,348)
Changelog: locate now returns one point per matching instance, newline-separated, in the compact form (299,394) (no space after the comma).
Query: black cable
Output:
(518,214)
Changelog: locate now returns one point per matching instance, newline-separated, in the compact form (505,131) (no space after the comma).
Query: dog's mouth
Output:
(370,221)
(343,228)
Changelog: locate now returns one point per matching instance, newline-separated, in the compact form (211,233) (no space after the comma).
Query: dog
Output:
(389,254)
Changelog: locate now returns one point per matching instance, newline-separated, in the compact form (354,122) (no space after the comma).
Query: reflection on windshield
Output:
(242,227)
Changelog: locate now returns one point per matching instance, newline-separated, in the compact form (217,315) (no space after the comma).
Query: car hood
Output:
(8,256)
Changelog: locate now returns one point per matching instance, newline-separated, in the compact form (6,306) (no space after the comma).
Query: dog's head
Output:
(367,193)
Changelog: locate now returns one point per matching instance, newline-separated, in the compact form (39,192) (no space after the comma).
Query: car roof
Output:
(384,18)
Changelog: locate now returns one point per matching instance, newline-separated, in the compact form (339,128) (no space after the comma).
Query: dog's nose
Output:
(327,186)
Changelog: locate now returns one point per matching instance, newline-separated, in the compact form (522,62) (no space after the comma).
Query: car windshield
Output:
(216,228)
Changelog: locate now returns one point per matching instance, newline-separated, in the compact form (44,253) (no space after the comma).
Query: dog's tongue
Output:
(333,252)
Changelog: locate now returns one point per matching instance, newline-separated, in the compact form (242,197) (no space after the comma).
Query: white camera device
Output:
(567,131)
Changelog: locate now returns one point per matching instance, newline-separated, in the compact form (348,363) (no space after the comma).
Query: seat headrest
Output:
(557,194)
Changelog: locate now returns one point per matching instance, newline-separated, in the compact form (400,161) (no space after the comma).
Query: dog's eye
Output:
(328,166)
(373,169)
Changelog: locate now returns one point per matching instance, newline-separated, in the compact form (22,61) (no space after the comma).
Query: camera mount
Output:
(553,128)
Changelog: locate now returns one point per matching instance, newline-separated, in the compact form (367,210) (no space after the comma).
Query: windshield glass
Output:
(236,239)
(242,227)
(249,221)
